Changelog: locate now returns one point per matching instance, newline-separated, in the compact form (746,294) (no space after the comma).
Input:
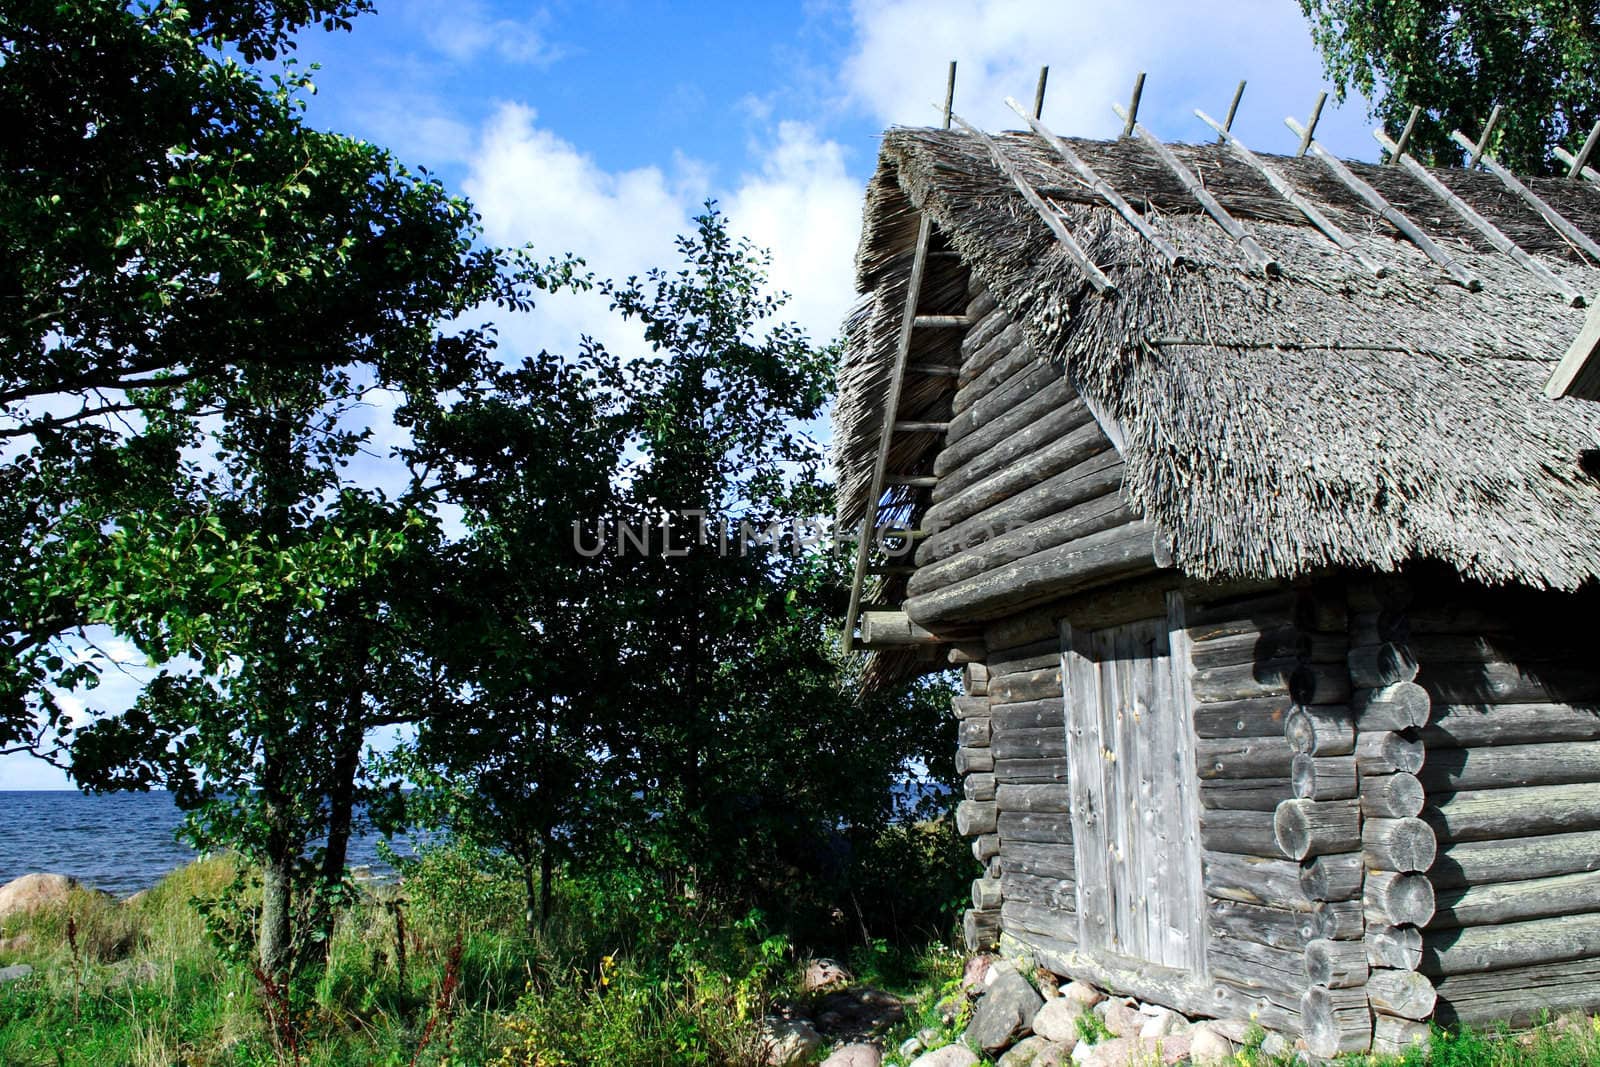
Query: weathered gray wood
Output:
(1332,877)
(1400,706)
(1382,752)
(1320,608)
(1236,1002)
(1251,614)
(1335,1021)
(1397,947)
(1508,683)
(1244,794)
(971,760)
(893,629)
(1320,683)
(1324,777)
(1032,798)
(1496,859)
(1025,686)
(1505,902)
(1519,996)
(1408,994)
(1093,477)
(985,847)
(1030,657)
(1245,833)
(980,929)
(978,787)
(1404,845)
(985,894)
(1341,920)
(1127,601)
(974,817)
(1475,725)
(1518,944)
(1255,717)
(1305,828)
(1519,812)
(969,707)
(1321,730)
(1236,649)
(1252,965)
(1391,796)
(1034,827)
(1096,559)
(1060,423)
(1091,516)
(1028,380)
(1392,899)
(1277,927)
(1375,666)
(1246,757)
(1255,880)
(1045,892)
(1042,743)
(1447,770)
(1394,1036)
(992,377)
(1051,398)
(1336,964)
(1026,916)
(975,679)
(987,342)
(1556,220)
(1040,860)
(974,732)
(1243,681)
(1028,714)
(1031,771)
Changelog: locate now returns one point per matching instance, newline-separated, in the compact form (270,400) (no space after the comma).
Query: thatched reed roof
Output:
(1271,426)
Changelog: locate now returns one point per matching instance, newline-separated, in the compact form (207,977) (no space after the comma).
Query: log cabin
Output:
(1230,483)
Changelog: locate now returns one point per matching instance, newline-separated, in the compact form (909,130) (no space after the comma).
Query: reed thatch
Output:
(1271,426)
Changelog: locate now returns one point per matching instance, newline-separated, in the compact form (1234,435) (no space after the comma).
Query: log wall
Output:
(1511,777)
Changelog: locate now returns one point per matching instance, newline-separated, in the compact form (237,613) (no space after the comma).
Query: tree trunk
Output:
(547,877)
(274,942)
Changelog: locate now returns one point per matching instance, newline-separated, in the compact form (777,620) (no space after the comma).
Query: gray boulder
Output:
(1004,1013)
(1034,1051)
(949,1056)
(1058,1020)
(14,972)
(854,1056)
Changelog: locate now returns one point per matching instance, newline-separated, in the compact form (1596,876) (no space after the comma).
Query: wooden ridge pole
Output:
(1097,183)
(1388,211)
(1132,115)
(1556,220)
(1051,218)
(1288,192)
(1038,93)
(1405,135)
(1489,230)
(1233,109)
(1587,173)
(869,520)
(1582,159)
(1241,237)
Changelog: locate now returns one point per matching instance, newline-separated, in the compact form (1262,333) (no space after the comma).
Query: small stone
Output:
(788,1041)
(1275,1045)
(1159,1021)
(1235,1030)
(949,1056)
(821,974)
(1082,993)
(1034,1051)
(1121,1020)
(14,973)
(861,1055)
(910,1047)
(1208,1046)
(1174,1048)
(928,1036)
(949,1009)
(998,968)
(1004,1012)
(976,970)
(1058,1020)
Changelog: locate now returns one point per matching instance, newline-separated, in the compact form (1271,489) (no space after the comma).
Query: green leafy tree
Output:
(1456,59)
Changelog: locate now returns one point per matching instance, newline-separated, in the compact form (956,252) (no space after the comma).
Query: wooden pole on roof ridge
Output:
(1038,93)
(1097,183)
(1282,186)
(908,320)
(1233,109)
(1489,230)
(1588,174)
(1311,123)
(1482,144)
(1404,142)
(1582,159)
(1132,115)
(1186,177)
(1388,211)
(1557,221)
(1074,250)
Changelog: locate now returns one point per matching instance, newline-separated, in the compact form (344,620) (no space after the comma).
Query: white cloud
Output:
(805,206)
(1194,57)
(465,30)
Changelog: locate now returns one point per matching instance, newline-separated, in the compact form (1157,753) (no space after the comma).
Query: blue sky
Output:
(599,127)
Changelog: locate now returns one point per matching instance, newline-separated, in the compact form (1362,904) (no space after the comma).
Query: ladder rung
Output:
(941,321)
(914,481)
(921,427)
(933,370)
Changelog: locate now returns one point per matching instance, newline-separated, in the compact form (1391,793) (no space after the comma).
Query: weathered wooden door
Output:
(1134,792)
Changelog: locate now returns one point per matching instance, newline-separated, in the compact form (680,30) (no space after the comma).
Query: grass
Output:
(445,975)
